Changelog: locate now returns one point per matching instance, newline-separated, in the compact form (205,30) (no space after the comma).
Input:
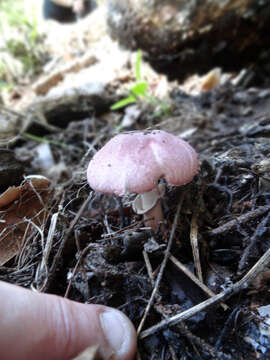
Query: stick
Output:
(238,286)
(162,267)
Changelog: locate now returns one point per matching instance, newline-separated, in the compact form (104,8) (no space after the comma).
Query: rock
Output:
(192,34)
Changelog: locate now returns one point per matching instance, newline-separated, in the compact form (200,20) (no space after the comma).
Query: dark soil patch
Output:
(97,254)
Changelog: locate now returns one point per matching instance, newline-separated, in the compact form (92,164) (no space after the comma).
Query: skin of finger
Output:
(40,326)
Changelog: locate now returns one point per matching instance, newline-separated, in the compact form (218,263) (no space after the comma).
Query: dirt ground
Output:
(58,236)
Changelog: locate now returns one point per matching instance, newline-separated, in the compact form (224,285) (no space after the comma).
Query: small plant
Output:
(140,91)
(20,38)
(137,91)
(27,48)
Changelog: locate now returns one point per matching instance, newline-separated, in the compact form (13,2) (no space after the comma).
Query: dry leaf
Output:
(18,205)
(211,79)
(195,84)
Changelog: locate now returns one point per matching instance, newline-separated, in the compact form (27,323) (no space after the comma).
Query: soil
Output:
(102,252)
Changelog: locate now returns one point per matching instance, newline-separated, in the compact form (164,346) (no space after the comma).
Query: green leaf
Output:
(122,103)
(139,89)
(138,65)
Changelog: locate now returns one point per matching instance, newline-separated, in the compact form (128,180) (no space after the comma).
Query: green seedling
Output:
(139,90)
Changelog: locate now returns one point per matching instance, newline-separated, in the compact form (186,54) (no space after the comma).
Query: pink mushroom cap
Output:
(134,162)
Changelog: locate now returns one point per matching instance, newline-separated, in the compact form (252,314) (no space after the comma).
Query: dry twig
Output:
(149,267)
(187,272)
(63,244)
(195,245)
(260,229)
(230,225)
(162,267)
(235,288)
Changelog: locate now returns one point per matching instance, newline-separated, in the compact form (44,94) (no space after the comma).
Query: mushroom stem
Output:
(154,216)
(149,205)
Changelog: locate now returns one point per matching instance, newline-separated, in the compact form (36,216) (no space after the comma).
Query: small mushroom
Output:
(134,163)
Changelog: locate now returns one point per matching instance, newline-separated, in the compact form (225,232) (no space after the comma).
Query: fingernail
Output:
(118,331)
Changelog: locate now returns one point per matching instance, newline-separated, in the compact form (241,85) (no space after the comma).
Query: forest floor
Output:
(58,236)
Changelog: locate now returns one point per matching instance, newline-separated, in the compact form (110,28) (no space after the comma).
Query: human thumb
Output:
(41,326)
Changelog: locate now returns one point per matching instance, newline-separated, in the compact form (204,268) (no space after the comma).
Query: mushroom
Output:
(134,162)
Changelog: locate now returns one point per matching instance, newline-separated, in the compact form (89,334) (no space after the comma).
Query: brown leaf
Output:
(211,80)
(18,205)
